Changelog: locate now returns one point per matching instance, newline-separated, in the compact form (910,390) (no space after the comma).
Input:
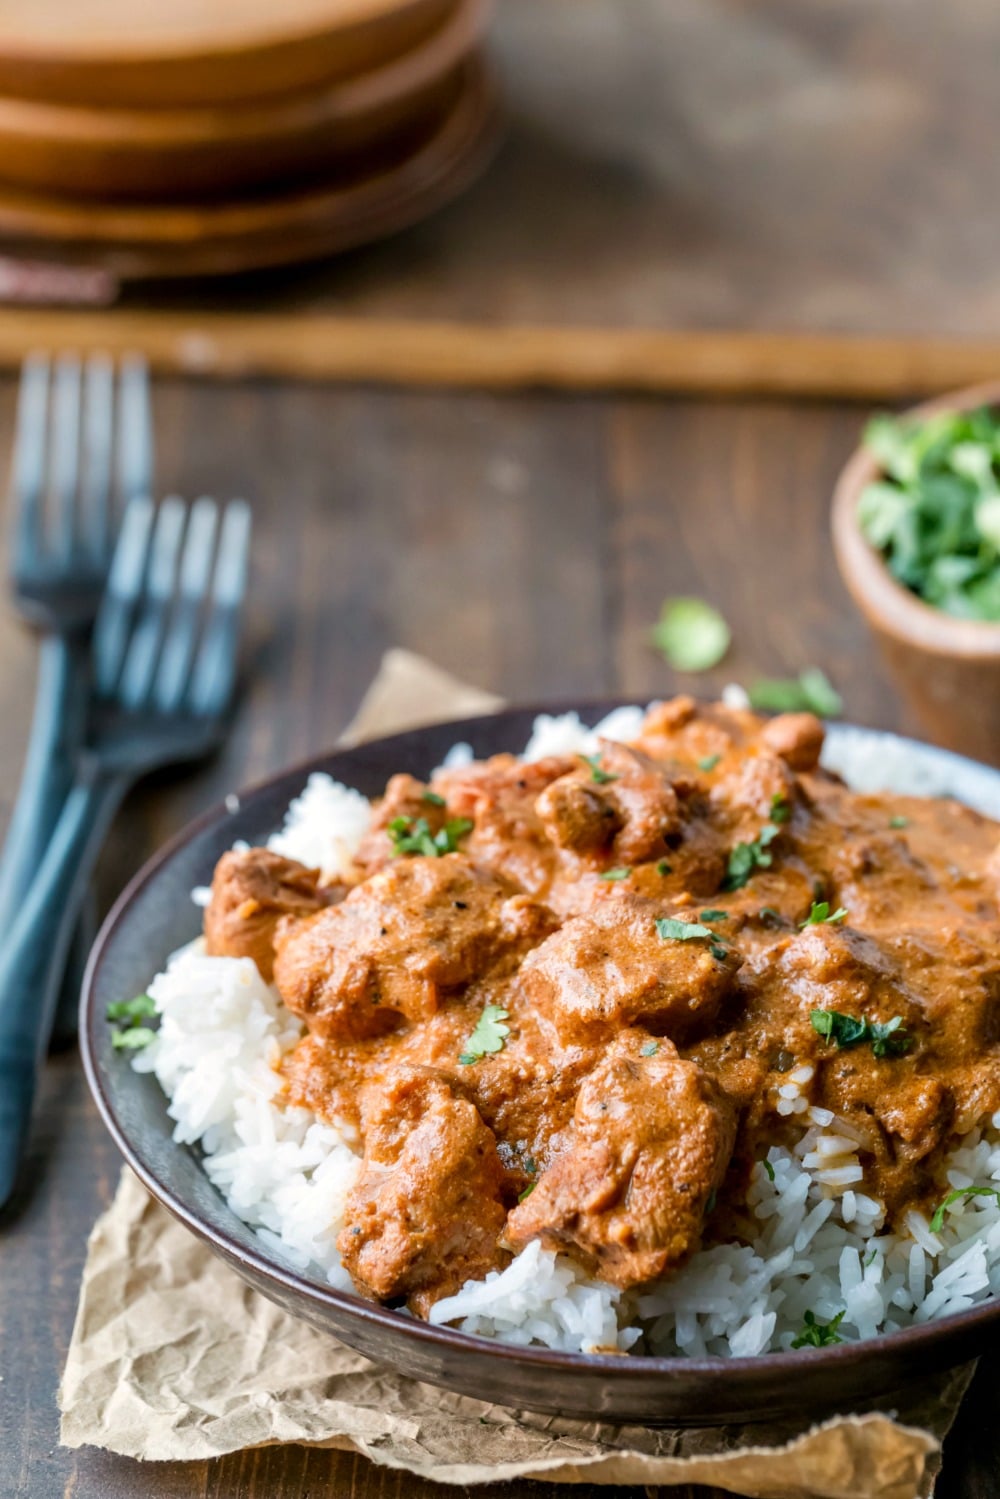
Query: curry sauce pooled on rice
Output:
(676,1039)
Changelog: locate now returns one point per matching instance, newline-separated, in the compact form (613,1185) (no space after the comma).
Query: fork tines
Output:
(83,447)
(166,638)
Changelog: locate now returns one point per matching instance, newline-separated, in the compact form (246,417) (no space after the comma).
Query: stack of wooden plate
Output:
(207,136)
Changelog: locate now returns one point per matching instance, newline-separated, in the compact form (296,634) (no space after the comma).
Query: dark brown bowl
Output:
(947,669)
(155,915)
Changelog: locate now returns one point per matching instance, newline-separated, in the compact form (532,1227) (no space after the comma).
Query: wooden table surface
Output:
(525,542)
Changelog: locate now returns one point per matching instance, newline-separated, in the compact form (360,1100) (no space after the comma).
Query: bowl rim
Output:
(268,1269)
(888,604)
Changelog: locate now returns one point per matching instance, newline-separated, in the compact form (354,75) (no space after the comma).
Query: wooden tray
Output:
(144,54)
(157,154)
(254,233)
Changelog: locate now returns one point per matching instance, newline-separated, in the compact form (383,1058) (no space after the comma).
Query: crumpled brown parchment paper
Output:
(173,1357)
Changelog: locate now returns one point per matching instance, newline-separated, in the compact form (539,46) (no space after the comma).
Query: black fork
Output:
(164,660)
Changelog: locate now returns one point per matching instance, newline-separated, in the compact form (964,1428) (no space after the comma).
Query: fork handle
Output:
(34,952)
(47,774)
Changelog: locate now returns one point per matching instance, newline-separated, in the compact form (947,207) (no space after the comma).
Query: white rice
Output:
(817,1245)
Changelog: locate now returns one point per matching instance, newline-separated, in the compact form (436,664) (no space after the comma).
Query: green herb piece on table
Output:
(819,1334)
(488,1037)
(617,874)
(692,635)
(746,857)
(810,692)
(415,837)
(934,512)
(960,1193)
(602,777)
(887,1038)
(821,915)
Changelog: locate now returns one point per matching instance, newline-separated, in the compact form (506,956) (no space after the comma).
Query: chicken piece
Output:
(414,929)
(611,967)
(252,891)
(796,738)
(650,1142)
(625,804)
(762,785)
(425,1213)
(498,796)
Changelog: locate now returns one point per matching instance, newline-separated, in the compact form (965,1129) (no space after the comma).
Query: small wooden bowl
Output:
(947,669)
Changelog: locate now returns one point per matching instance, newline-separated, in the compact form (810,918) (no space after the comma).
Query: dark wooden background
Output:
(524,542)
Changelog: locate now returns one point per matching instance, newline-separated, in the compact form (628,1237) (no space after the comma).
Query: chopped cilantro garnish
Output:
(527,1191)
(781,808)
(681,931)
(810,692)
(602,777)
(663,868)
(617,874)
(768,1168)
(898,821)
(887,1038)
(937,1221)
(433,798)
(821,915)
(746,857)
(691,634)
(709,762)
(488,1037)
(769,916)
(713,915)
(139,1008)
(819,1334)
(130,1035)
(133,1039)
(415,837)
(934,512)
(650,1049)
(871,1258)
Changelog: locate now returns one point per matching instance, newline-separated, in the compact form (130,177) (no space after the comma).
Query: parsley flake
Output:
(746,857)
(527,1191)
(415,837)
(898,821)
(960,1193)
(768,1168)
(601,777)
(821,915)
(888,1039)
(769,916)
(715,915)
(140,1008)
(663,868)
(819,1334)
(709,762)
(781,807)
(488,1037)
(650,1049)
(134,1039)
(617,874)
(433,798)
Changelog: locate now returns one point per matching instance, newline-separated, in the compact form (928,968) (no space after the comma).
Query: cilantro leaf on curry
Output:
(746,857)
(488,1037)
(821,915)
(414,836)
(597,774)
(888,1038)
